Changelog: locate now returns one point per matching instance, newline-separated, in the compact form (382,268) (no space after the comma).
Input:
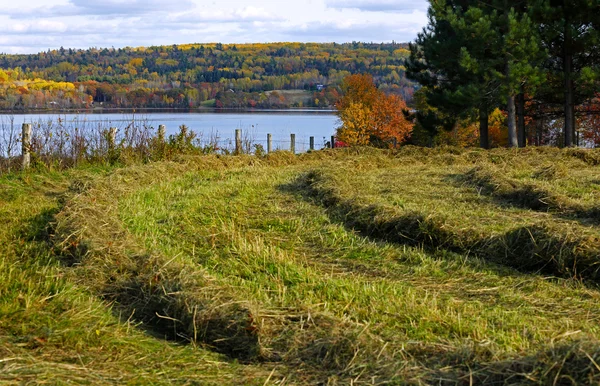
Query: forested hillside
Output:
(187,76)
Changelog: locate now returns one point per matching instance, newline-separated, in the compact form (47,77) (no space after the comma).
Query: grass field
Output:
(294,97)
(346,266)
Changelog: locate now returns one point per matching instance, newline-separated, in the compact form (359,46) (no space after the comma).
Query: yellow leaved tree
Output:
(356,119)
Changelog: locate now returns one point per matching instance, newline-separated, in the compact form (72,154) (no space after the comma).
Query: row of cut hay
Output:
(450,155)
(589,156)
(493,182)
(173,299)
(176,298)
(547,247)
(567,364)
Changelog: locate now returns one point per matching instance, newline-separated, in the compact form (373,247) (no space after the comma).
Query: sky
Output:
(38,25)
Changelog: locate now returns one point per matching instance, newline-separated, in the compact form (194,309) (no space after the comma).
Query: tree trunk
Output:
(484,137)
(521,132)
(568,70)
(539,129)
(510,103)
(512,122)
(569,107)
(575,132)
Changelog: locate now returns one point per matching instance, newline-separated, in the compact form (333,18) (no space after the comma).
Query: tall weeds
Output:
(60,143)
(9,142)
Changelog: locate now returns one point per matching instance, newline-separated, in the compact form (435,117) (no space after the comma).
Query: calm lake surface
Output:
(215,126)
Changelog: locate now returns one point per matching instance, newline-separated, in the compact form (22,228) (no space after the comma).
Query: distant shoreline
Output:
(115,110)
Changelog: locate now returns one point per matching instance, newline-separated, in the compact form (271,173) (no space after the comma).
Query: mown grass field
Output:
(346,266)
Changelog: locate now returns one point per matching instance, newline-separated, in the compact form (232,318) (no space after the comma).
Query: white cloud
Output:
(378,5)
(351,30)
(39,25)
(246,14)
(34,27)
(102,8)
(128,7)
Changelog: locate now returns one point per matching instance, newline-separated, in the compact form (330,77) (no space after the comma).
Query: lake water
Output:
(217,126)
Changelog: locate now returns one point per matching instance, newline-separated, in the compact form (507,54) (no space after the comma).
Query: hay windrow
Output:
(575,363)
(589,156)
(551,172)
(494,183)
(177,299)
(541,247)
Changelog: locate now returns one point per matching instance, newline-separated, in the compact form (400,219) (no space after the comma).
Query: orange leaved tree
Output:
(368,116)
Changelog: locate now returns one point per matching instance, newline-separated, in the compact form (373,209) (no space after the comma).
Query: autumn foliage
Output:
(198,75)
(370,117)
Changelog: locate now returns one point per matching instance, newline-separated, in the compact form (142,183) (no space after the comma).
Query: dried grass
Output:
(176,298)
(493,182)
(545,246)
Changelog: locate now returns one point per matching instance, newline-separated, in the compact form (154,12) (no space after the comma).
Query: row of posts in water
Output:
(112,137)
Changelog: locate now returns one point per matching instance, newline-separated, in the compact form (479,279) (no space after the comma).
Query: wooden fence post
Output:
(238,141)
(269,143)
(162,132)
(312,143)
(26,145)
(112,138)
(293,143)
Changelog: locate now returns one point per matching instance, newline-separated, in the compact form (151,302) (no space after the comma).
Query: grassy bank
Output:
(346,266)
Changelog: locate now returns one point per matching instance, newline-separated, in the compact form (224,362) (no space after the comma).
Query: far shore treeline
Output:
(273,75)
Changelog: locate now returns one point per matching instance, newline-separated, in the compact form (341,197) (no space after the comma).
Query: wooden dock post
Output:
(269,143)
(312,143)
(26,145)
(238,141)
(293,143)
(162,132)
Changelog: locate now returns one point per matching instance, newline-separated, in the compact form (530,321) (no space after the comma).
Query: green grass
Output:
(54,330)
(209,103)
(346,266)
(294,96)
(444,204)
